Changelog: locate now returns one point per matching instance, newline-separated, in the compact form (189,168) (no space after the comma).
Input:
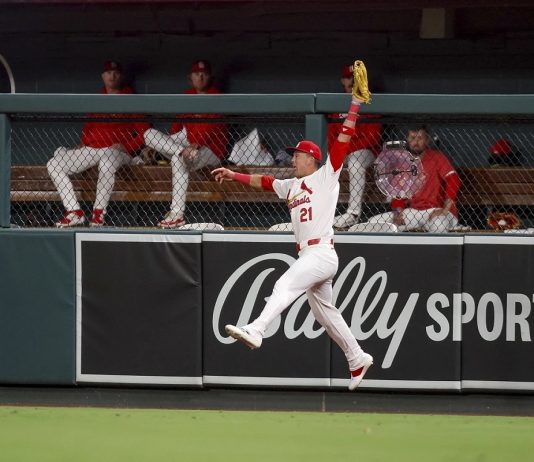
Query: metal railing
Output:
(250,132)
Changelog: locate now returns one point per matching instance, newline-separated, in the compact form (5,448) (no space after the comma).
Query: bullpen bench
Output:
(153,184)
(482,189)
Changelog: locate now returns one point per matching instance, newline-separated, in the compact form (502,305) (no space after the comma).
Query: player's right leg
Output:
(64,163)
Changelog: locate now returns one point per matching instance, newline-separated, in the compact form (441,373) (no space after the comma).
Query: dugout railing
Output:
(256,130)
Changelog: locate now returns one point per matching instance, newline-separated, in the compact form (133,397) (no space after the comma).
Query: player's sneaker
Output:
(172,220)
(356,375)
(71,218)
(245,335)
(345,221)
(98,218)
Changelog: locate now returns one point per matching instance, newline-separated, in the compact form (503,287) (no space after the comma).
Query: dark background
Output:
(271,46)
(141,309)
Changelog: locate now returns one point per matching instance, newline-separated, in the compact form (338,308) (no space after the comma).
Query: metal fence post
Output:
(5,171)
(316,131)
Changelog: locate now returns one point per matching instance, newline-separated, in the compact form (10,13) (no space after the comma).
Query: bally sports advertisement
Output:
(436,312)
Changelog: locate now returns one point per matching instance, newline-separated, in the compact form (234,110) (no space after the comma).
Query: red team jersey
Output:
(212,135)
(105,134)
(440,182)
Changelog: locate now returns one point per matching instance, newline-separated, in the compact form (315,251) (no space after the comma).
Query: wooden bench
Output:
(503,186)
(494,186)
(153,184)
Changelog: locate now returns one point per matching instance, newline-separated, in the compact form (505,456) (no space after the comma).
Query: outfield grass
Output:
(93,434)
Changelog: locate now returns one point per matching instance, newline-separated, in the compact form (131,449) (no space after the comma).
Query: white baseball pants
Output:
(65,162)
(357,164)
(420,219)
(171,147)
(312,273)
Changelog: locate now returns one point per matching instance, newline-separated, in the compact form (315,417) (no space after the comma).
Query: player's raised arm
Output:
(256,181)
(360,94)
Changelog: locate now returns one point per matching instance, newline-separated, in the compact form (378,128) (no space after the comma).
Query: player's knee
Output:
(150,136)
(53,165)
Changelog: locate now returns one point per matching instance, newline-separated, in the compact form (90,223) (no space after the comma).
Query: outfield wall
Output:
(437,312)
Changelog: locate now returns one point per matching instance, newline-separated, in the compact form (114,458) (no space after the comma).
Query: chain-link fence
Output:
(160,176)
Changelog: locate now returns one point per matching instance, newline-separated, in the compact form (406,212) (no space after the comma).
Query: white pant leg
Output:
(111,160)
(357,164)
(168,145)
(180,175)
(320,299)
(315,265)
(66,162)
(441,224)
(415,219)
(386,217)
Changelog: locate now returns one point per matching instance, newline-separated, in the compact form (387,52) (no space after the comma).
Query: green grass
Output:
(93,434)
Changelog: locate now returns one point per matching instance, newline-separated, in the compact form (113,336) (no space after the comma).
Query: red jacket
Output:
(366,136)
(440,182)
(105,134)
(212,135)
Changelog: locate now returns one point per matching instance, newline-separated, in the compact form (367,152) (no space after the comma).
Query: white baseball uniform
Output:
(171,147)
(66,161)
(312,203)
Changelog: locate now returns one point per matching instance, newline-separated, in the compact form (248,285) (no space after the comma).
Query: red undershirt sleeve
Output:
(267,182)
(452,186)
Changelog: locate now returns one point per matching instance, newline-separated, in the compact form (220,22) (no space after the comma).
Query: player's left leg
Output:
(111,159)
(441,223)
(167,145)
(320,300)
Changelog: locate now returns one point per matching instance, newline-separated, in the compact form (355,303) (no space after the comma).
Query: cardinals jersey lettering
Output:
(312,202)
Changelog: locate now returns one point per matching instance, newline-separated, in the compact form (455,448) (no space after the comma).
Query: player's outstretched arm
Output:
(256,181)
(360,94)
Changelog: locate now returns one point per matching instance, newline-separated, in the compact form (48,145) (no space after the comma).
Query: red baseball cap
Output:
(501,148)
(201,66)
(348,71)
(112,66)
(309,148)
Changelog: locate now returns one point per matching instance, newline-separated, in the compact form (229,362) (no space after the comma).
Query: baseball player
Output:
(363,147)
(433,207)
(190,146)
(311,197)
(106,144)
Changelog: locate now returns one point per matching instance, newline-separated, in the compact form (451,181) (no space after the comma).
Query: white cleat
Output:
(358,373)
(244,335)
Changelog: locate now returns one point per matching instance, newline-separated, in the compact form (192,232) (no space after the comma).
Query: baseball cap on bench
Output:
(309,148)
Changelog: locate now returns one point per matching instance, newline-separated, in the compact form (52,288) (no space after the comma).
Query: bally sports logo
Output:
(494,317)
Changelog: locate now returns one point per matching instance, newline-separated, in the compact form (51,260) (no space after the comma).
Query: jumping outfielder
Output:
(311,197)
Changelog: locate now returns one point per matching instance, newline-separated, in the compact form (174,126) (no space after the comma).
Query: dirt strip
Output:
(278,400)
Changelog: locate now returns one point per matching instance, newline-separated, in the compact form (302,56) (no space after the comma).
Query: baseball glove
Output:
(500,221)
(360,88)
